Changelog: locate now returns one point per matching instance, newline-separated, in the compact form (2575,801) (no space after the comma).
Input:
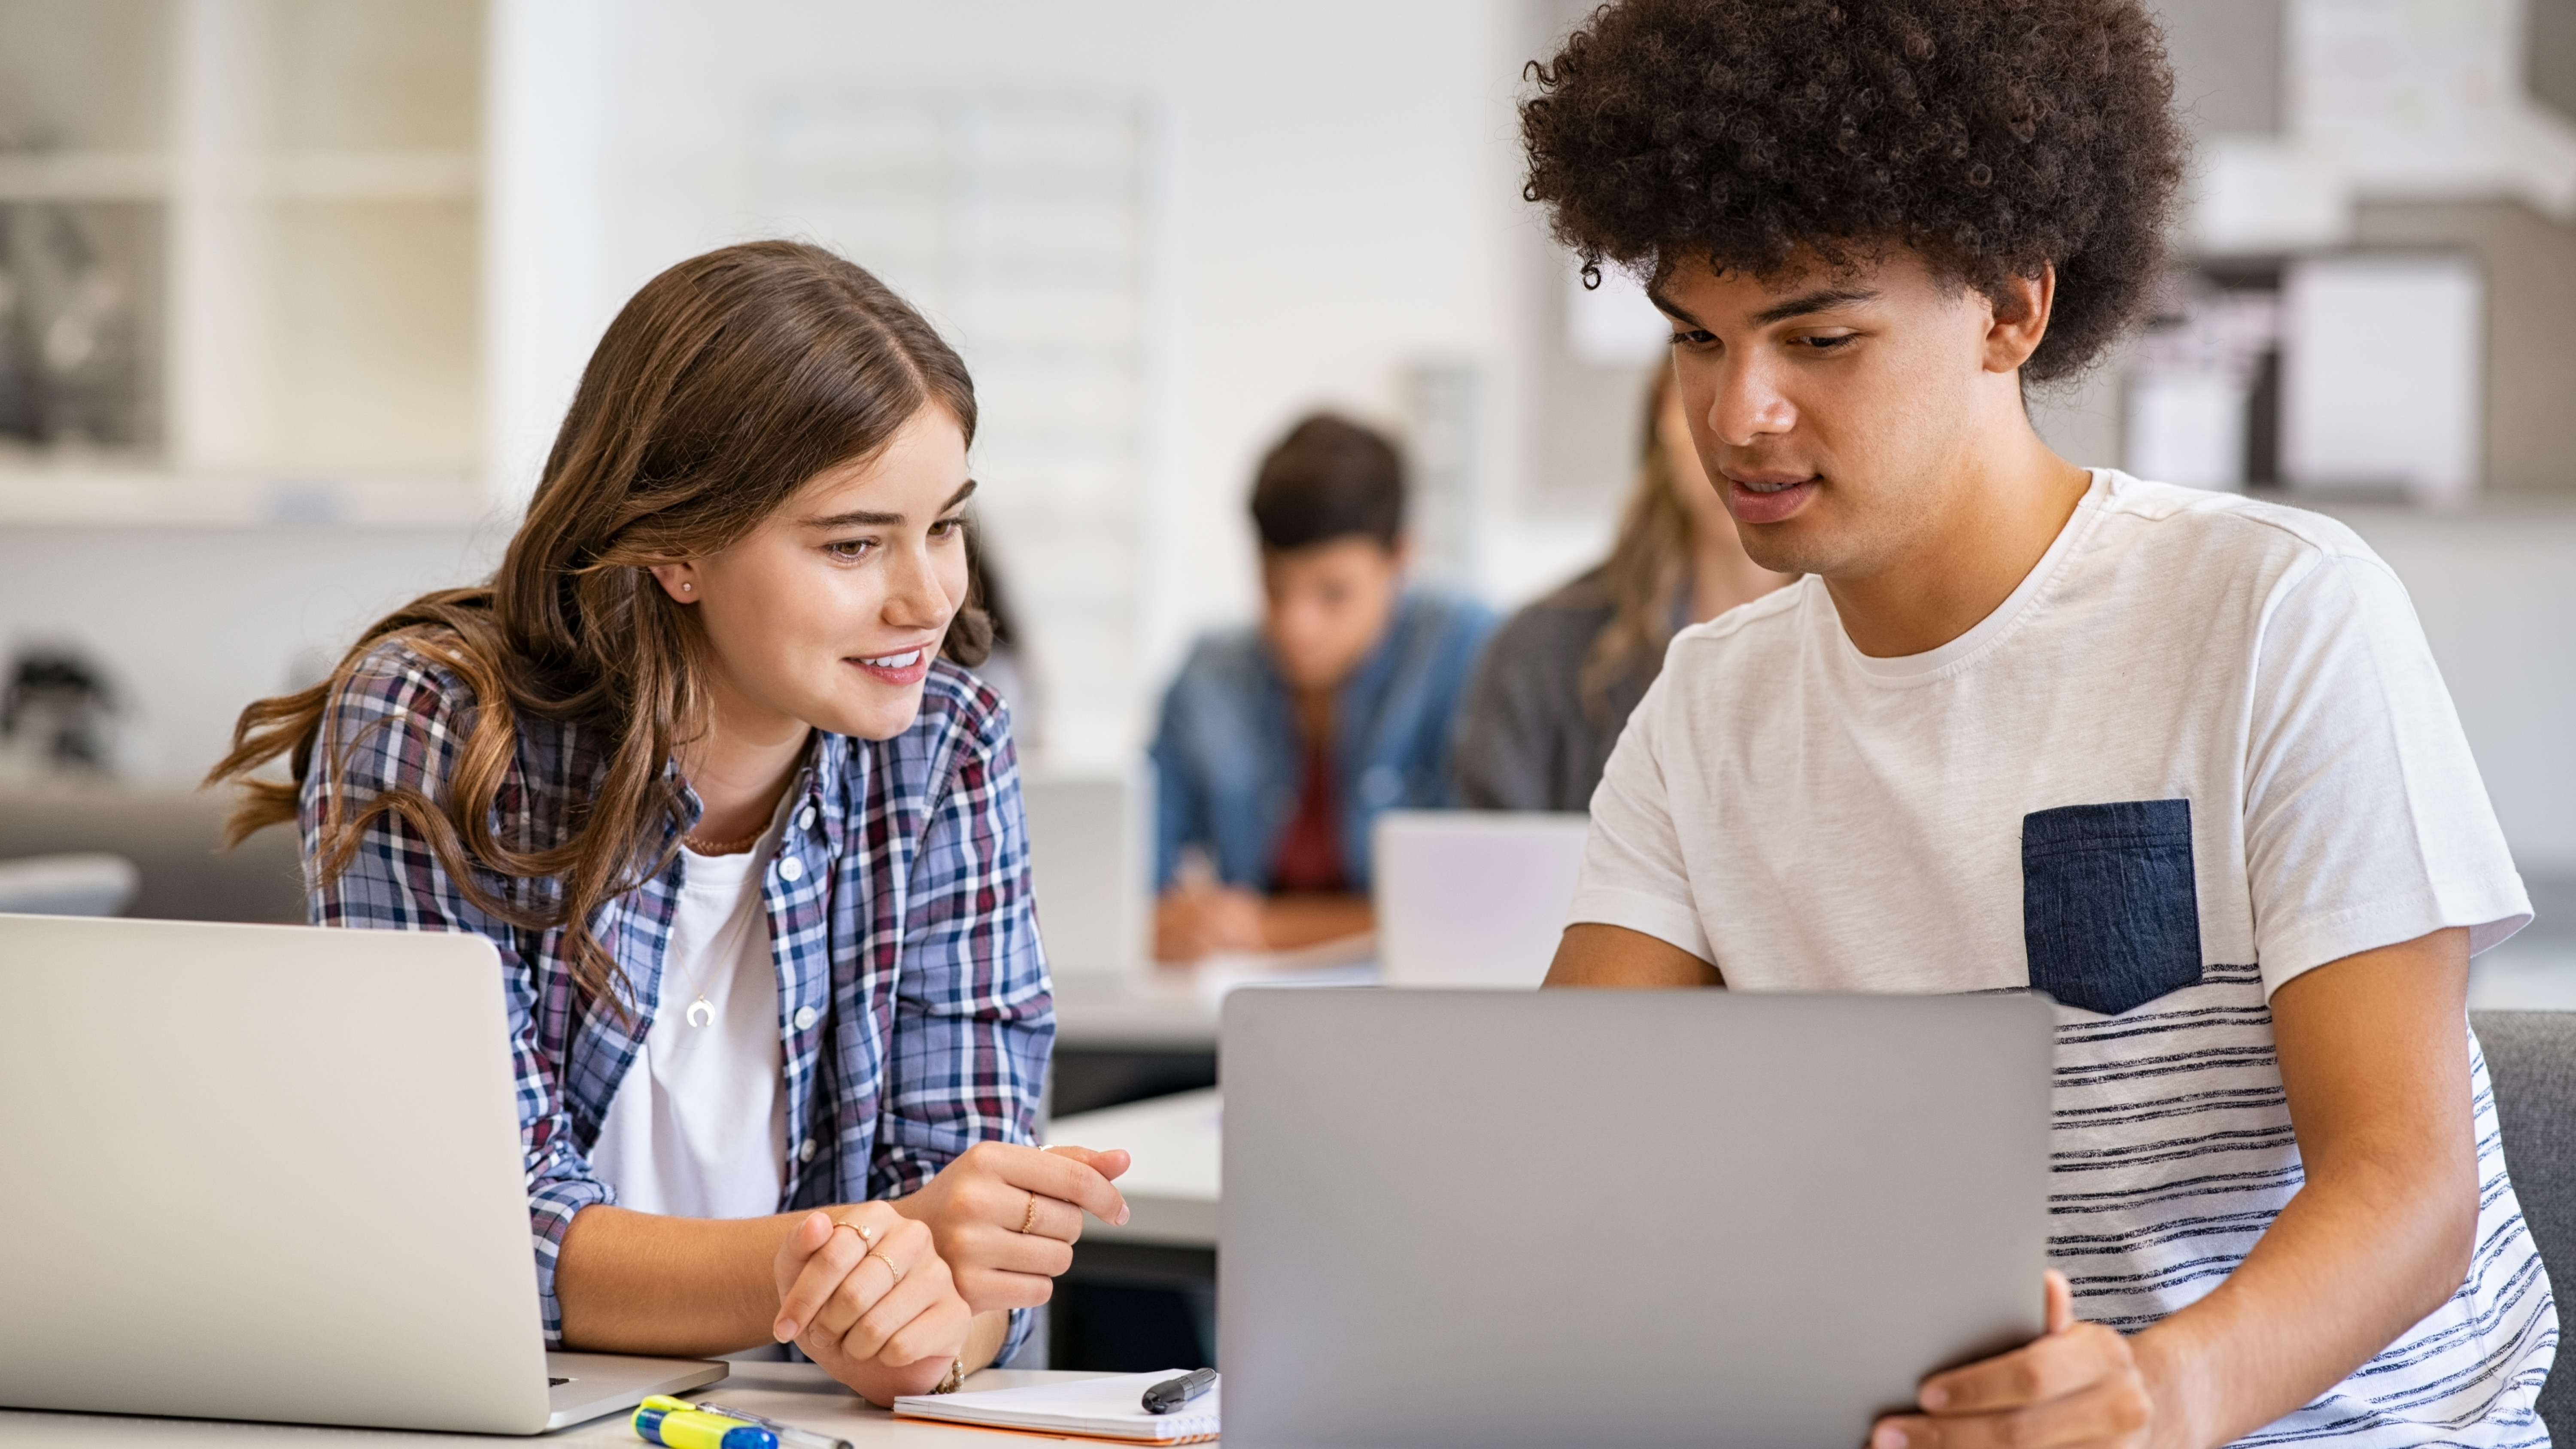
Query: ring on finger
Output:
(1029,1219)
(867,1237)
(890,1267)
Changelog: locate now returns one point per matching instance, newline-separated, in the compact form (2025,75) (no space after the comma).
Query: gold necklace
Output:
(723,847)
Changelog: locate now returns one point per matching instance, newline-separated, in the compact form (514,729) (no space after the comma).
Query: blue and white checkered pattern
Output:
(900,917)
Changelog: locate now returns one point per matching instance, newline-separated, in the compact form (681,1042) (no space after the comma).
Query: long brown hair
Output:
(722,387)
(1644,569)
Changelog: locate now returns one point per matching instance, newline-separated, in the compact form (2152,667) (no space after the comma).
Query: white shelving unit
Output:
(282,200)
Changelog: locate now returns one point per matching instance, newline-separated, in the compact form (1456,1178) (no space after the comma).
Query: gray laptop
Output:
(1620,1217)
(273,1172)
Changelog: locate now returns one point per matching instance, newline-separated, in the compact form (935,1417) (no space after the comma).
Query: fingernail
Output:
(784,1330)
(1122,1215)
(1934,1396)
(1888,1437)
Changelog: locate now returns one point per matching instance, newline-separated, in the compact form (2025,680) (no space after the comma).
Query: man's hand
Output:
(863,1290)
(1005,1217)
(1196,919)
(2077,1384)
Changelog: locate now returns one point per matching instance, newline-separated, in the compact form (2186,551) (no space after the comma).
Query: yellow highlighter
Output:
(677,1424)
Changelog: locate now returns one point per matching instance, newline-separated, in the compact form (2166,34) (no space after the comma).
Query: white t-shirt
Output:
(2201,748)
(698,1125)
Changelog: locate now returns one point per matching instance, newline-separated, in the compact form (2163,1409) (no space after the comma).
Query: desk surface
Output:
(1176,1008)
(1179,1161)
(798,1393)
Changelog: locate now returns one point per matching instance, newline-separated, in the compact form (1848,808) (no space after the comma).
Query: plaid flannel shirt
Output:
(914,1003)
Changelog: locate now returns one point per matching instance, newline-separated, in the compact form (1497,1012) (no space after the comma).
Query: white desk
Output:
(1160,1011)
(1176,1008)
(798,1393)
(1172,1188)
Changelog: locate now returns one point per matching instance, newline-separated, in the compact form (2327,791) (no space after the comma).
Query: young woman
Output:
(750,848)
(1562,675)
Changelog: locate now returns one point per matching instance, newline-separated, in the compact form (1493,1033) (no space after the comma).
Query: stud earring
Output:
(684,588)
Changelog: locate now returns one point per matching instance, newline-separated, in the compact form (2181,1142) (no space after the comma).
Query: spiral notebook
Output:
(1102,1408)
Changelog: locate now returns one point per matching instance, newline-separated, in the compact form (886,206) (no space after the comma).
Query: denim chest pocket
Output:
(2110,915)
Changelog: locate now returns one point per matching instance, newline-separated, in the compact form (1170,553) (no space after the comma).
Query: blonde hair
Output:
(1646,567)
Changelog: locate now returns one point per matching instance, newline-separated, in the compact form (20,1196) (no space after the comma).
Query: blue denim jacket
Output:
(1226,755)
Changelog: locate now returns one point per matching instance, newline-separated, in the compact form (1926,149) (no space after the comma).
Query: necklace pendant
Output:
(701,1013)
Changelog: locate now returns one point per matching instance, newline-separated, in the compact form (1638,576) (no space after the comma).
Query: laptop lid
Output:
(1620,1217)
(1473,897)
(1089,848)
(266,1172)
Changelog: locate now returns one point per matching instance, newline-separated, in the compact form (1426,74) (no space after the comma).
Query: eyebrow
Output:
(1819,300)
(865,519)
(1669,307)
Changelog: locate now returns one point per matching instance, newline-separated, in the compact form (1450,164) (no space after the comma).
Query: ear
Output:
(2021,310)
(1402,553)
(679,580)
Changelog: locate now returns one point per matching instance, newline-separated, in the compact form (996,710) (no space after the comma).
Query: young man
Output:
(2180,760)
(1279,746)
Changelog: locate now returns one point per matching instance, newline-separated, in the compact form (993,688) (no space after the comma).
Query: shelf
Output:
(261,221)
(90,498)
(300,176)
(85,176)
(352,176)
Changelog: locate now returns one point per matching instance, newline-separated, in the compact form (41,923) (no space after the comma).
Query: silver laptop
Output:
(1089,844)
(1473,897)
(1620,1217)
(273,1172)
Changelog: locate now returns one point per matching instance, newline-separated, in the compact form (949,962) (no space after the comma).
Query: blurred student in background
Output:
(1561,676)
(1280,744)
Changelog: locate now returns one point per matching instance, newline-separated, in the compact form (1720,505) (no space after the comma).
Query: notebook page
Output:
(1110,1407)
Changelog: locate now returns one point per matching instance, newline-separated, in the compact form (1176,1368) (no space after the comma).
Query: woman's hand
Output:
(1005,1217)
(863,1291)
(2076,1385)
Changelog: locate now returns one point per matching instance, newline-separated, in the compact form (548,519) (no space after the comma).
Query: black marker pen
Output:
(1170,1394)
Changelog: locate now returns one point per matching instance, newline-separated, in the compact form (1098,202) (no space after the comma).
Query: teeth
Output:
(904,660)
(1769,487)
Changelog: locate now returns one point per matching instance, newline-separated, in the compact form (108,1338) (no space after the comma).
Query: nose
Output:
(1748,405)
(915,598)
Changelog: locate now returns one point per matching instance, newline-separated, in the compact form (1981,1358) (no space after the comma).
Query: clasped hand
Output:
(2078,1384)
(863,1291)
(882,1294)
(1006,1217)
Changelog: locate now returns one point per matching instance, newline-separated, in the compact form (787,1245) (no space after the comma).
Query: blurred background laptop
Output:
(1473,898)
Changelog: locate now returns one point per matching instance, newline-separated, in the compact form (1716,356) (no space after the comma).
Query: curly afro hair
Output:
(1993,137)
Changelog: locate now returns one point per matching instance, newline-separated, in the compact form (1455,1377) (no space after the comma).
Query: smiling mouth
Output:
(905,660)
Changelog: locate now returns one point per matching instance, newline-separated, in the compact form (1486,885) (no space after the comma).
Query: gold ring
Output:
(890,1267)
(1029,1219)
(866,1237)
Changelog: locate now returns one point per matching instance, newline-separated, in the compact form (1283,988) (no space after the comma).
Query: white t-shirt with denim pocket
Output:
(2202,748)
